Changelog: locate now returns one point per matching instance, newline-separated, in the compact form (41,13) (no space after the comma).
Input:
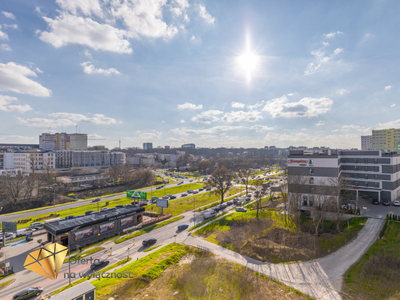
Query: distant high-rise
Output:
(366,142)
(63,141)
(386,139)
(191,146)
(147,146)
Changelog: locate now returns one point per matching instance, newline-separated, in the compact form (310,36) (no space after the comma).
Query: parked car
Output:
(28,293)
(396,203)
(104,209)
(248,199)
(149,241)
(172,197)
(70,217)
(183,226)
(241,209)
(119,206)
(143,203)
(165,198)
(89,212)
(217,208)
(386,202)
(201,189)
(96,200)
(375,202)
(190,191)
(184,195)
(229,203)
(223,206)
(37,225)
(99,264)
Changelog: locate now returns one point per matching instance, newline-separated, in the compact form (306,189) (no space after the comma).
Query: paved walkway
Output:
(321,278)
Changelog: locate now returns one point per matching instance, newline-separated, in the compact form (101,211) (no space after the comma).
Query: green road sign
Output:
(136,194)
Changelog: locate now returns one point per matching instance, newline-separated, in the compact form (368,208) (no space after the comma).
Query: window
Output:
(375,161)
(311,190)
(356,175)
(366,169)
(366,176)
(366,184)
(355,168)
(311,162)
(377,184)
(365,160)
(311,180)
(343,167)
(343,160)
(356,183)
(305,200)
(376,169)
(376,177)
(311,202)
(311,171)
(356,160)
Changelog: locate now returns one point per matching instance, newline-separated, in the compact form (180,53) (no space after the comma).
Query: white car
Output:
(241,209)
(396,203)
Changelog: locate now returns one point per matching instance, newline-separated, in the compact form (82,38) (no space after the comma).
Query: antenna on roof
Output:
(76,128)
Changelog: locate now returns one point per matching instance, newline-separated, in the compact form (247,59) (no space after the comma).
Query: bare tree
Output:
(48,168)
(320,207)
(296,189)
(221,179)
(245,175)
(260,192)
(284,196)
(338,194)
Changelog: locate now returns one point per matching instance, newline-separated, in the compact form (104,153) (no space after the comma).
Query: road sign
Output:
(7,265)
(162,203)
(136,194)
(9,226)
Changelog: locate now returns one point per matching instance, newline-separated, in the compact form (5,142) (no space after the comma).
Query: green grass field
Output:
(174,190)
(375,275)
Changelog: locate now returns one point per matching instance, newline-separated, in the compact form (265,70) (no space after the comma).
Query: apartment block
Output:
(386,139)
(366,142)
(34,160)
(88,158)
(63,141)
(147,146)
(372,174)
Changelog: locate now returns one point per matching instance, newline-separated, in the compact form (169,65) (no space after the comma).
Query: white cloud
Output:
(13,26)
(239,116)
(208,116)
(192,38)
(352,128)
(320,123)
(188,105)
(17,138)
(8,15)
(343,91)
(205,15)
(393,105)
(337,51)
(237,105)
(87,7)
(182,121)
(89,68)
(261,128)
(88,54)
(212,130)
(6,47)
(391,124)
(3,35)
(306,107)
(98,119)
(69,29)
(14,78)
(38,70)
(320,59)
(5,104)
(150,135)
(388,87)
(95,136)
(178,7)
(258,104)
(45,123)
(332,34)
(325,43)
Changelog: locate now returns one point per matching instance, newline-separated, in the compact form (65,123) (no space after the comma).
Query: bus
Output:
(53,220)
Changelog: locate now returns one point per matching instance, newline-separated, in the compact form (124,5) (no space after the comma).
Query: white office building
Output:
(88,158)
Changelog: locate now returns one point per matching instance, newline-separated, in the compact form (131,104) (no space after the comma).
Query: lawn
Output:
(4,284)
(375,275)
(174,190)
(272,239)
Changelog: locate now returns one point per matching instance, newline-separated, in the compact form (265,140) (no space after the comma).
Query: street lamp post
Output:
(54,194)
(69,252)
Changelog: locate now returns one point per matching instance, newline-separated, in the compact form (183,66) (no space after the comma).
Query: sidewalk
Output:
(321,278)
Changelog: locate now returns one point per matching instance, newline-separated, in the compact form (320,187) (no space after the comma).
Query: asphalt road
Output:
(25,278)
(68,206)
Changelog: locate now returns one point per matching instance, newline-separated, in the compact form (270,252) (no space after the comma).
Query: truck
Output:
(209,214)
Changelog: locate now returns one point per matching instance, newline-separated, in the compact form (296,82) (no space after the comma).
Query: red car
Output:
(386,202)
(143,203)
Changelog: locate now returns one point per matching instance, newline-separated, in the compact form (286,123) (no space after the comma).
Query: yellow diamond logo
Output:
(46,261)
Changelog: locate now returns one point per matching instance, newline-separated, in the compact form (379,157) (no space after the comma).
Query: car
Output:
(208,189)
(165,198)
(248,199)
(229,203)
(154,198)
(128,205)
(104,209)
(396,203)
(201,189)
(99,264)
(159,187)
(191,180)
(119,206)
(195,192)
(386,202)
(236,201)
(241,209)
(149,241)
(375,202)
(223,206)
(184,195)
(96,200)
(37,225)
(143,203)
(28,293)
(70,217)
(248,195)
(89,212)
(172,197)
(183,226)
(217,208)
(190,191)
(112,209)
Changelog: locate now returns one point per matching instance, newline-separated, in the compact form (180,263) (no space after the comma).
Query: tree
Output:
(260,192)
(204,166)
(284,196)
(221,180)
(296,189)
(246,175)
(338,193)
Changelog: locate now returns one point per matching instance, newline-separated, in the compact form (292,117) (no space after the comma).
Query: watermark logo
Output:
(46,261)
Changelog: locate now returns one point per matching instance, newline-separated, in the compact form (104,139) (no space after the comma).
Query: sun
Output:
(248,64)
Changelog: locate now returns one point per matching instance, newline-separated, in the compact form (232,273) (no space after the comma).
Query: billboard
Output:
(79,235)
(162,203)
(9,226)
(107,227)
(127,221)
(136,194)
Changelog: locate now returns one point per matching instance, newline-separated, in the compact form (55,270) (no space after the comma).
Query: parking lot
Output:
(377,211)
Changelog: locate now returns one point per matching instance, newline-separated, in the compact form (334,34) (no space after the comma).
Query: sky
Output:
(214,73)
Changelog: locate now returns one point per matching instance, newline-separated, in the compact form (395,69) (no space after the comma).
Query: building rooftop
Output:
(74,291)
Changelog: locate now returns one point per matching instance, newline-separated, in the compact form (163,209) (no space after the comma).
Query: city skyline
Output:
(203,72)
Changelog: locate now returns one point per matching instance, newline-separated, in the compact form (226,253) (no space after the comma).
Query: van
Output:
(209,214)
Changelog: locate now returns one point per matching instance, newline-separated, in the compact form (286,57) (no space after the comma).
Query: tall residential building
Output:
(34,160)
(88,158)
(386,139)
(366,142)
(314,177)
(63,141)
(147,146)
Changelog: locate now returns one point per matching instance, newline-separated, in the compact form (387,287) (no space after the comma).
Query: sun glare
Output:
(248,64)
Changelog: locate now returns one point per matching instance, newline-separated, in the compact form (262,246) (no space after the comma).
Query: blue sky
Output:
(215,73)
